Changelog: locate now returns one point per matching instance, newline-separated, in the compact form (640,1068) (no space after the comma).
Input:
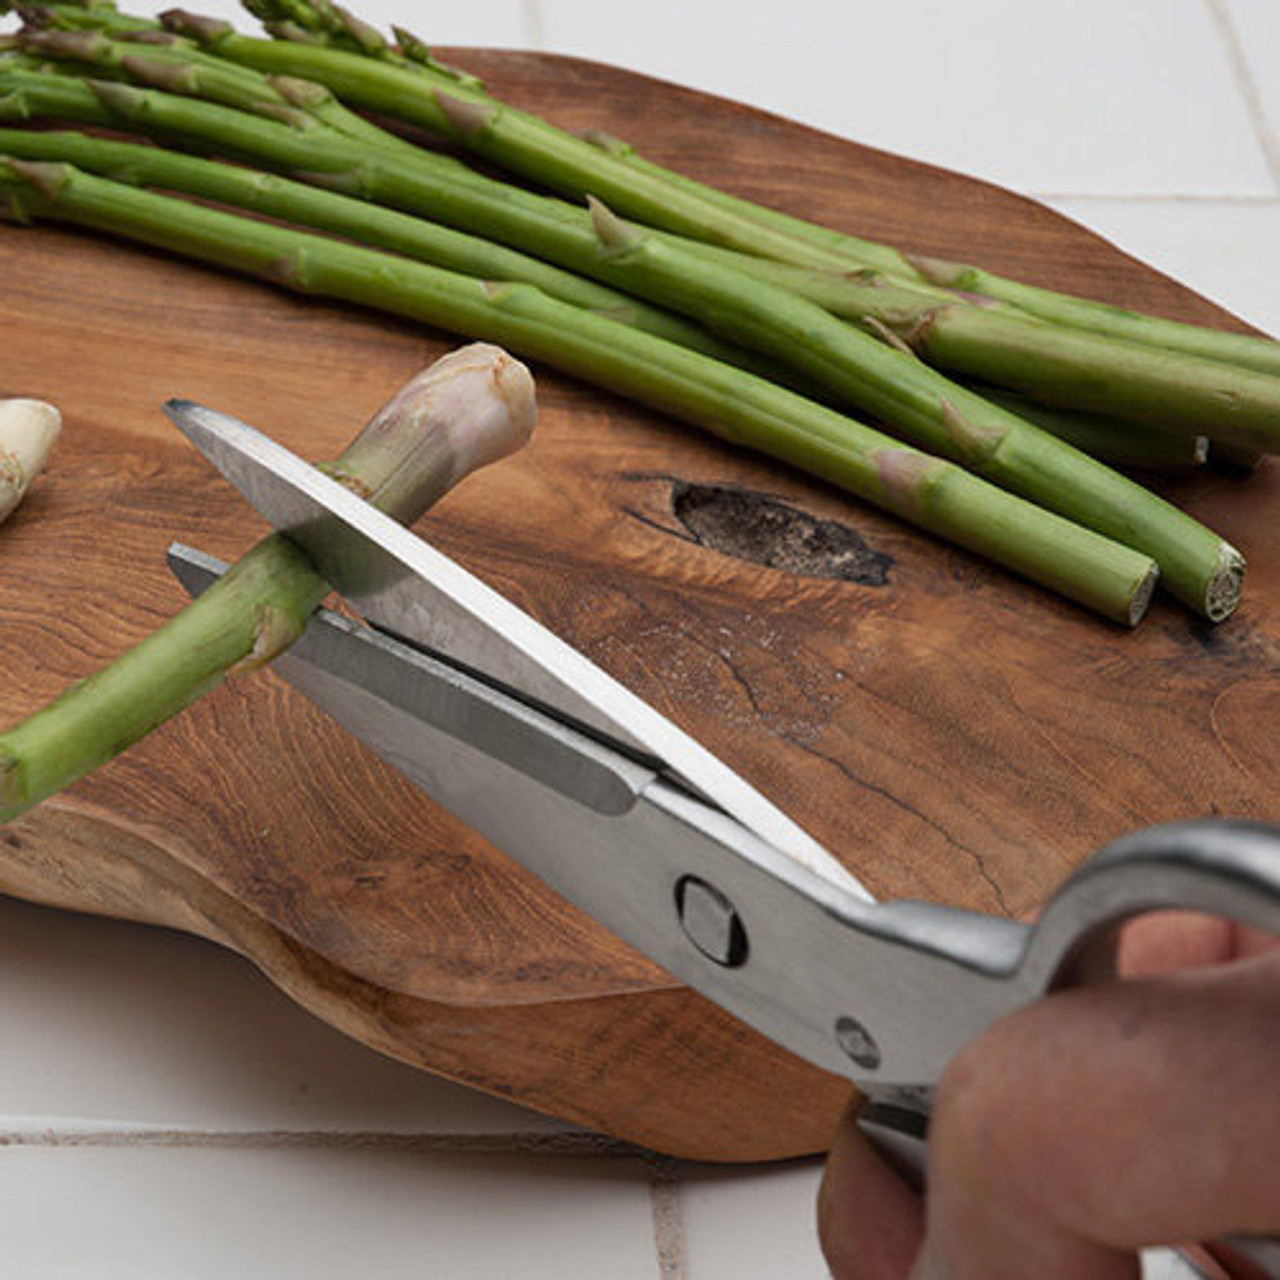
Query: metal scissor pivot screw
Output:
(857,1042)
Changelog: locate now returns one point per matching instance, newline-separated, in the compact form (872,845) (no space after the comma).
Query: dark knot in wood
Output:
(763,530)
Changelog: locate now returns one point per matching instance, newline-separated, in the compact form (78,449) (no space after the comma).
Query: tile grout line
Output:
(531,11)
(668,1218)
(1154,197)
(1247,85)
(516,1143)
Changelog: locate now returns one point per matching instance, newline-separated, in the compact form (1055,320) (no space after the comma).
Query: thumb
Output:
(1106,1118)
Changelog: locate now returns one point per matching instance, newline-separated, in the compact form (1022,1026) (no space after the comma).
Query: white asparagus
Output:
(28,430)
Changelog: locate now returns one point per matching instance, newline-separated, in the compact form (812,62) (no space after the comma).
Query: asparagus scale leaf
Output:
(469,409)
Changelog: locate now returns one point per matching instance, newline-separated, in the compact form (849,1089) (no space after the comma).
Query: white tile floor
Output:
(165,1114)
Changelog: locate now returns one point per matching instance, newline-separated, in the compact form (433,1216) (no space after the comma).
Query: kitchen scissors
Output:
(627,817)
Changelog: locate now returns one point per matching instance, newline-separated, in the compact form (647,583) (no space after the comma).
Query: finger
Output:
(1166,940)
(870,1222)
(1103,1119)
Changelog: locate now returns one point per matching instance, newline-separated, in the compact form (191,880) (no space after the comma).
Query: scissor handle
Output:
(1221,867)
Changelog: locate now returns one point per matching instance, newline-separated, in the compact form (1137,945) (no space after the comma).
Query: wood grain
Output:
(948,731)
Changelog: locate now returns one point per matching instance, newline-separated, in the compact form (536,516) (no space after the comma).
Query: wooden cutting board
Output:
(949,732)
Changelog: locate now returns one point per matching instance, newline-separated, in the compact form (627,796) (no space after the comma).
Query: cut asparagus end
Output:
(483,405)
(28,430)
(1222,594)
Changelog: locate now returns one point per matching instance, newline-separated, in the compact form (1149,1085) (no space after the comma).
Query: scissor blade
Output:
(409,588)
(663,869)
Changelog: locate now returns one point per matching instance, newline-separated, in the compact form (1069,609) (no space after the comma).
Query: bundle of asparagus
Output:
(772,315)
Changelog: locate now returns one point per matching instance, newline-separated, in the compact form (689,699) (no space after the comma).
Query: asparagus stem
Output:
(1073,368)
(940,416)
(1081,370)
(1249,351)
(934,494)
(1115,442)
(1123,444)
(309,149)
(468,409)
(28,431)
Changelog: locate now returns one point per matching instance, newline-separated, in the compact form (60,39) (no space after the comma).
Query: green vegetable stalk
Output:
(416,89)
(467,410)
(916,401)
(932,493)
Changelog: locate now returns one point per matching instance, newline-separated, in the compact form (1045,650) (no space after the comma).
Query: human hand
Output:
(1092,1123)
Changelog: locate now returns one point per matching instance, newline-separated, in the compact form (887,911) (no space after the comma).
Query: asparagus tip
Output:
(291,33)
(467,118)
(411,46)
(368,38)
(79,46)
(162,39)
(201,29)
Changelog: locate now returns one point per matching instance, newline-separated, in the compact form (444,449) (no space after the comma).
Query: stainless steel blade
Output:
(407,587)
(810,965)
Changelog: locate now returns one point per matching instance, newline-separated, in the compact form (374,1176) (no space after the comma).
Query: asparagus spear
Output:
(1249,351)
(1122,444)
(1197,566)
(28,430)
(930,492)
(663,198)
(1055,364)
(467,410)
